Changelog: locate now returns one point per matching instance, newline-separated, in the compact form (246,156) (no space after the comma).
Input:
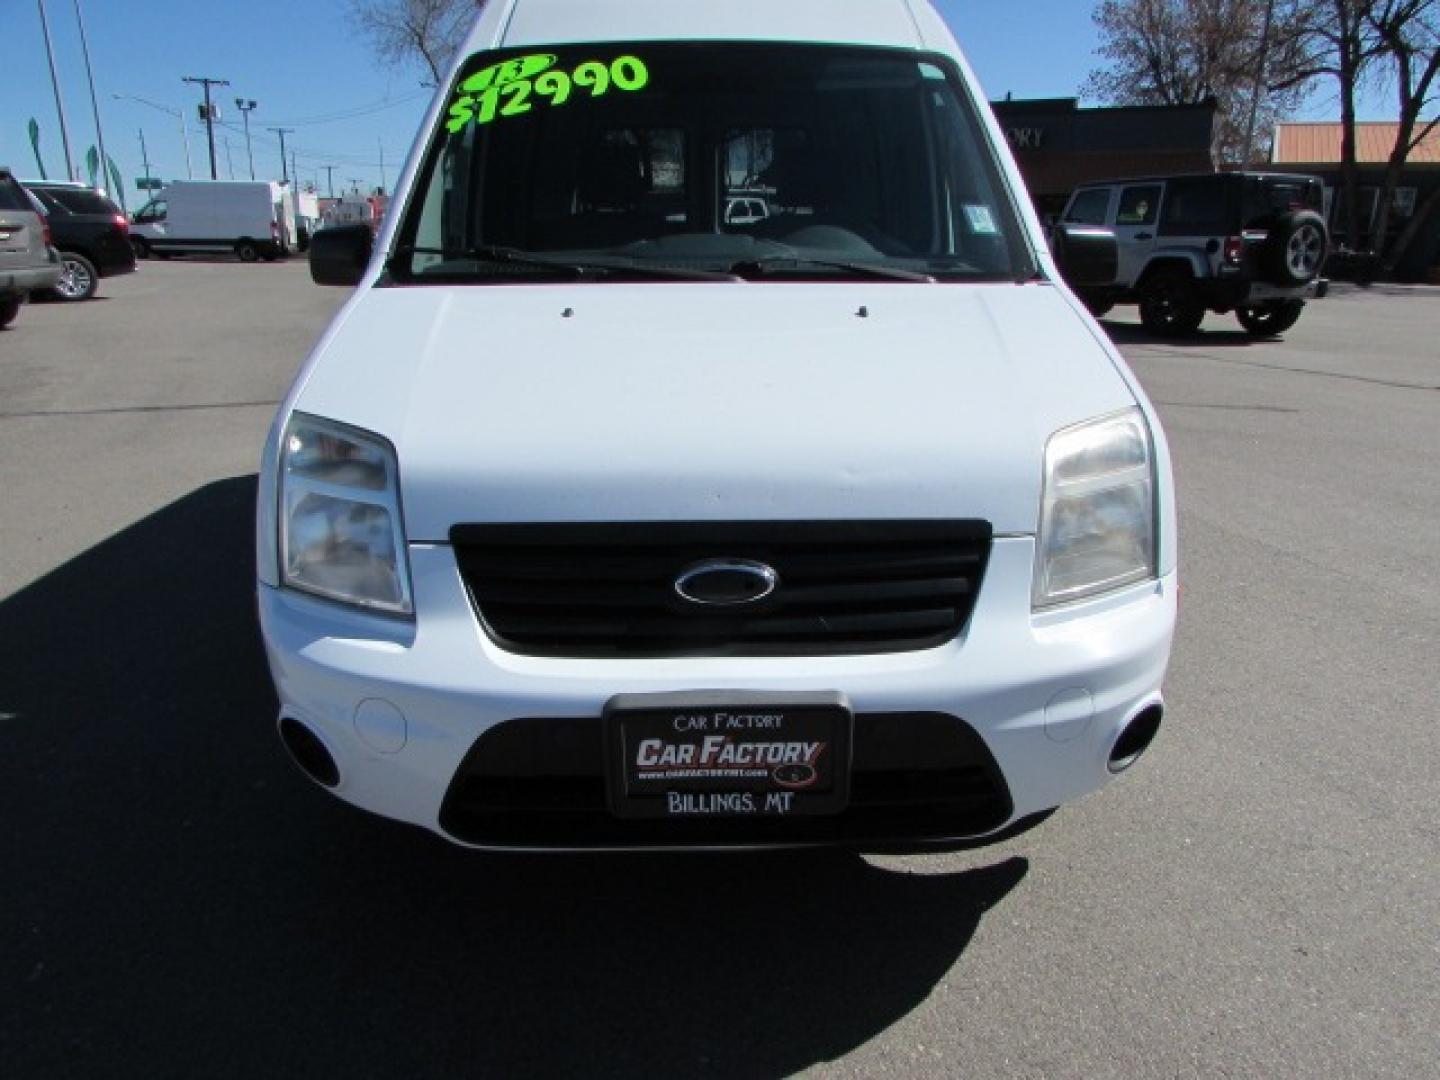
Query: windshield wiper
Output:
(762,266)
(578,267)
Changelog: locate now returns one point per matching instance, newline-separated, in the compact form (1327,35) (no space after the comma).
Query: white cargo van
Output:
(254,219)
(603,516)
(307,217)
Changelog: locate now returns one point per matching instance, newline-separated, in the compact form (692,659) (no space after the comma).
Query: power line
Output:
(179,114)
(310,157)
(357,111)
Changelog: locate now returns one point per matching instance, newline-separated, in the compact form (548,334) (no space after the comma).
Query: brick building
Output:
(1060,145)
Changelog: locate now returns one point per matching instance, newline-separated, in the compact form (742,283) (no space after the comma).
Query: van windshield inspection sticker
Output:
(982,222)
(511,87)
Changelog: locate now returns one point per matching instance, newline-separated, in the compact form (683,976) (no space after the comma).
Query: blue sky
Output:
(309,70)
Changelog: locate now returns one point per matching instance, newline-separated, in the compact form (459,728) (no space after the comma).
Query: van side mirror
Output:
(1085,254)
(340,254)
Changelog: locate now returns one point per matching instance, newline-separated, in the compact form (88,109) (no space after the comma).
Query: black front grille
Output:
(540,782)
(608,590)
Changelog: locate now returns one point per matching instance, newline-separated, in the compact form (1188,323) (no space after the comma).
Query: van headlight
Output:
(341,533)
(1097,510)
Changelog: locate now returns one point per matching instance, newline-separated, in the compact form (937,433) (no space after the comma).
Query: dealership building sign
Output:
(1026,138)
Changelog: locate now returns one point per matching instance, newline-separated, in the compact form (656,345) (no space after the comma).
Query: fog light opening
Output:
(1136,738)
(308,752)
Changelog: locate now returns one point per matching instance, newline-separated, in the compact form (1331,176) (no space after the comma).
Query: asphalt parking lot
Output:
(1260,897)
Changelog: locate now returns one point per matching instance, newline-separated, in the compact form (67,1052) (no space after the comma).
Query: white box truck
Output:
(254,219)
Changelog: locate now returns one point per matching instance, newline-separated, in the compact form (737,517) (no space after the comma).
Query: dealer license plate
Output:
(728,754)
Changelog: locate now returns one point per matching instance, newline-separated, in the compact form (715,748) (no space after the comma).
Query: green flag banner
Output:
(35,145)
(119,189)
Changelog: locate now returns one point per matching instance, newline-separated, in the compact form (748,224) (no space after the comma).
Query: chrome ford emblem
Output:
(727,582)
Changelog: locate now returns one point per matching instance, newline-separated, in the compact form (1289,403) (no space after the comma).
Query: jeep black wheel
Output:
(1267,320)
(246,251)
(141,246)
(8,310)
(1295,250)
(1170,306)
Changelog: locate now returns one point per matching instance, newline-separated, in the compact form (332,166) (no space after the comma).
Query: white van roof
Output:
(520,23)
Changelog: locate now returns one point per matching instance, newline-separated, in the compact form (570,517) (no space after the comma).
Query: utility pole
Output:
(330,178)
(55,82)
(284,165)
(144,154)
(229,161)
(95,107)
(382,165)
(295,169)
(246,108)
(210,113)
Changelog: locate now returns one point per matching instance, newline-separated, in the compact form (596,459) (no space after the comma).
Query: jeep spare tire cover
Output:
(1296,249)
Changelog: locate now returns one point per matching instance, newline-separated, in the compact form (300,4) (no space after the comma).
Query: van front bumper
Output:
(1028,706)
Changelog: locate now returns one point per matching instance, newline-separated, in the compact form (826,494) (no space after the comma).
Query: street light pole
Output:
(105,177)
(209,113)
(55,82)
(246,108)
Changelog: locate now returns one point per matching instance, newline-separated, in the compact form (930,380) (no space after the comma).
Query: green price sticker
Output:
(512,87)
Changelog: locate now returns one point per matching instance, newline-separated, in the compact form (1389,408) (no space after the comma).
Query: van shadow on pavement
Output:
(179,901)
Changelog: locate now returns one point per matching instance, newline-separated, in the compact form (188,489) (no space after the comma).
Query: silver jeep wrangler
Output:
(1251,243)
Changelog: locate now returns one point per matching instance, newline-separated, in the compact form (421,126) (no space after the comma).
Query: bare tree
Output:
(1337,40)
(1240,53)
(425,32)
(1409,33)
(1395,41)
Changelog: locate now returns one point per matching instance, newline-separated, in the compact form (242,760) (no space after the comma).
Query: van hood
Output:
(713,402)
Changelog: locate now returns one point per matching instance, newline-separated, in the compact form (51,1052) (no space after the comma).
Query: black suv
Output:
(93,236)
(1251,243)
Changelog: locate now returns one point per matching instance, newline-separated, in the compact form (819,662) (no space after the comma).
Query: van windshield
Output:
(787,162)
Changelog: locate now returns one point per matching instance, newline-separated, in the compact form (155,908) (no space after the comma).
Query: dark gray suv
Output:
(27,261)
(1251,243)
